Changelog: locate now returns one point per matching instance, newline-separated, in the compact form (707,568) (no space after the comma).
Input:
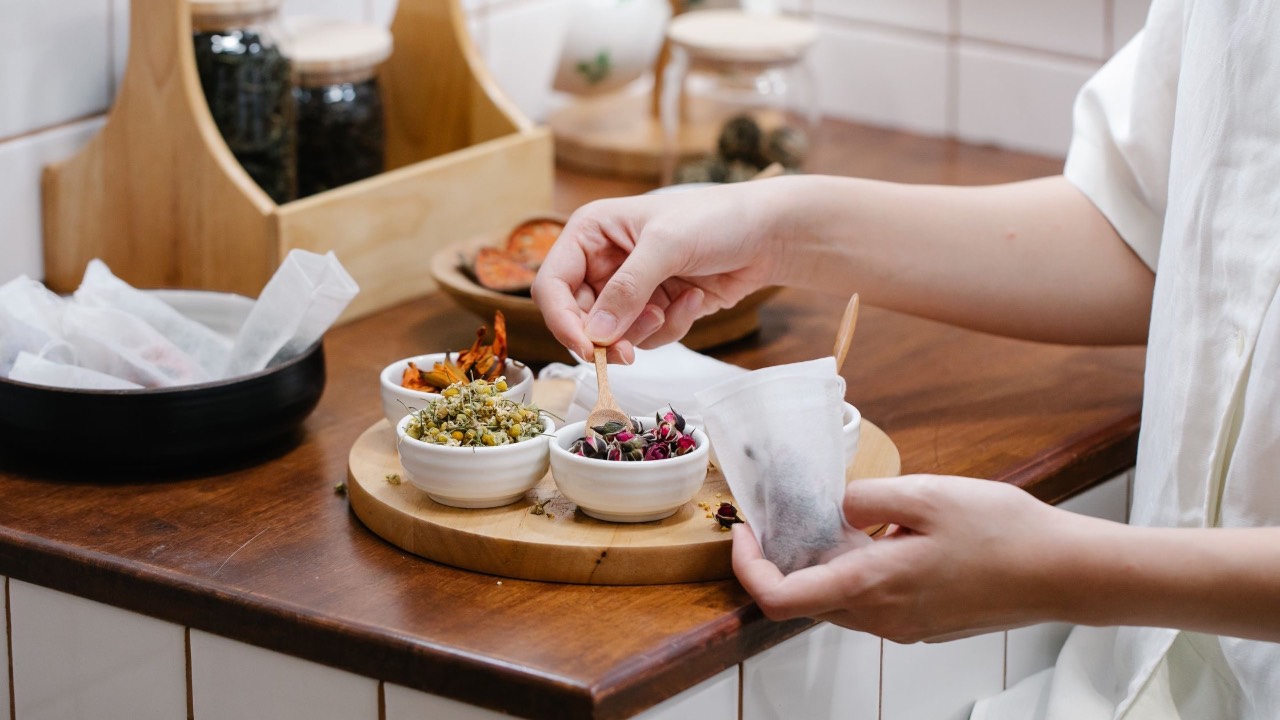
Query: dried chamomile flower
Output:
(475,414)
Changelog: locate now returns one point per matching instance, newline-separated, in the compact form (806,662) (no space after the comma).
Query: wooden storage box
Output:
(159,197)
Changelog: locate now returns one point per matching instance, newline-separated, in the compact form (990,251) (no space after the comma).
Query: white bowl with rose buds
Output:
(475,459)
(629,490)
(398,401)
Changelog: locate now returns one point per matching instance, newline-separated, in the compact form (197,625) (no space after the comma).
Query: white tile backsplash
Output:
(940,681)
(1073,27)
(882,78)
(54,62)
(231,680)
(75,659)
(928,15)
(21,162)
(825,673)
(1017,99)
(1127,18)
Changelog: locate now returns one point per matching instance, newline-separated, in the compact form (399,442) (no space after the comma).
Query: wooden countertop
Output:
(271,555)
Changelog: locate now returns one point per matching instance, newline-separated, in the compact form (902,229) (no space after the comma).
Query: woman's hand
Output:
(638,271)
(969,556)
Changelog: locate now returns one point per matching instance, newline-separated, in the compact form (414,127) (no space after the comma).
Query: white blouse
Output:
(1177,141)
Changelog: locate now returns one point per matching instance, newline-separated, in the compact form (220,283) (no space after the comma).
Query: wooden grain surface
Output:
(560,544)
(271,555)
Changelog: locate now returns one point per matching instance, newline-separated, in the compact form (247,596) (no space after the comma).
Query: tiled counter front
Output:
(74,659)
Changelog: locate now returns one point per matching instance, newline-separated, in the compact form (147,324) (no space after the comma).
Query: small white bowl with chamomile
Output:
(472,447)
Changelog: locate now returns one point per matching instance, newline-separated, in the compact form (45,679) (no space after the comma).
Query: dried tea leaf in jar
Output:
(246,81)
(338,102)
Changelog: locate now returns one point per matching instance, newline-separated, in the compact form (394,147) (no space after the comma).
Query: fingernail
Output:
(601,326)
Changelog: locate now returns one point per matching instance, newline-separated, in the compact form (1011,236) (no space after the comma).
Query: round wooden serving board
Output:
(562,545)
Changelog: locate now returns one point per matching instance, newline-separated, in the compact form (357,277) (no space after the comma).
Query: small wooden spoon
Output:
(606,409)
(845,334)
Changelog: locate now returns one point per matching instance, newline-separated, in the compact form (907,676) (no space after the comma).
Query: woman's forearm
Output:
(1212,580)
(1032,259)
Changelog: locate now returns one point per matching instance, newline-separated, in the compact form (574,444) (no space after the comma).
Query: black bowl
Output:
(181,430)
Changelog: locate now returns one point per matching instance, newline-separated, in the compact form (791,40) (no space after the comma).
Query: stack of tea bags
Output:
(112,336)
(776,434)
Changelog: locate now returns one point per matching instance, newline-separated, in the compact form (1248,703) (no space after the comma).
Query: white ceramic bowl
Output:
(850,432)
(478,477)
(627,491)
(398,401)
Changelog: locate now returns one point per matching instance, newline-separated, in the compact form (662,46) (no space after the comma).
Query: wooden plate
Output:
(562,545)
(527,335)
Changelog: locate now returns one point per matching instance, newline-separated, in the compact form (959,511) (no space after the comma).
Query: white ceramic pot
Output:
(610,43)
(474,477)
(398,401)
(618,491)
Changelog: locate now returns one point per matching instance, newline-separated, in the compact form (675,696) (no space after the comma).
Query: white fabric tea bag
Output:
(668,376)
(777,436)
(100,288)
(38,371)
(303,298)
(31,322)
(117,343)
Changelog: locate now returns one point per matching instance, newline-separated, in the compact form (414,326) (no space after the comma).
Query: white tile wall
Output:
(54,62)
(231,680)
(1011,99)
(21,162)
(75,659)
(713,699)
(1075,28)
(4,650)
(929,15)
(883,77)
(826,673)
(940,681)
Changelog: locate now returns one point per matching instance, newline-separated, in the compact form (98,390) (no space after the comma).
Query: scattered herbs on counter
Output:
(613,441)
(340,134)
(340,488)
(246,81)
(393,478)
(475,414)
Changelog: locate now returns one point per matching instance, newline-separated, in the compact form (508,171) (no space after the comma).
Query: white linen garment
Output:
(1177,141)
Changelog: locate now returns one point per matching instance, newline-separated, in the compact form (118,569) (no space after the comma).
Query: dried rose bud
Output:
(615,453)
(727,515)
(685,444)
(613,427)
(665,432)
(624,436)
(657,452)
(675,419)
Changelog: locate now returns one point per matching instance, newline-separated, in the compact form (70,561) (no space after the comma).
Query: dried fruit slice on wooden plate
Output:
(498,270)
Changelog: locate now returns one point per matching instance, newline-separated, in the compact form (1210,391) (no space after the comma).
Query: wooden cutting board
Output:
(561,545)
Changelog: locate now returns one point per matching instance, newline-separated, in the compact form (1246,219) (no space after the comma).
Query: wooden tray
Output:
(562,545)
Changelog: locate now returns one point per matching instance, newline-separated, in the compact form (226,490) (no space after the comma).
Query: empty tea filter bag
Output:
(116,343)
(777,435)
(31,322)
(38,371)
(303,298)
(101,288)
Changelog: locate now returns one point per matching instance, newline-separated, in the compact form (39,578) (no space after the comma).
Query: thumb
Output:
(624,296)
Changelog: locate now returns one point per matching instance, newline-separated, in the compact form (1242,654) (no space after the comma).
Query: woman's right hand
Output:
(636,272)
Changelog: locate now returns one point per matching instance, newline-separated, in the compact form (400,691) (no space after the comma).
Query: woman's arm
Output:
(977,556)
(1032,259)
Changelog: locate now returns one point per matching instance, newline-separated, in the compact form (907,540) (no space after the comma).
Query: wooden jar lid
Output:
(736,36)
(324,50)
(204,11)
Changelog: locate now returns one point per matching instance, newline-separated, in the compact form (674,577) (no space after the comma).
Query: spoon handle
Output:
(605,395)
(845,335)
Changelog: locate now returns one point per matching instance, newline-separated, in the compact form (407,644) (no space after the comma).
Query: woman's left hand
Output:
(969,556)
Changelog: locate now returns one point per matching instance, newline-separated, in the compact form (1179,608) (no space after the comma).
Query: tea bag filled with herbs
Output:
(338,102)
(776,434)
(246,81)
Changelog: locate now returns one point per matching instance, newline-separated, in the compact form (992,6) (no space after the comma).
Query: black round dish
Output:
(189,429)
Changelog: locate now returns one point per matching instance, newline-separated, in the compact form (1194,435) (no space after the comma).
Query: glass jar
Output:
(738,95)
(246,81)
(338,104)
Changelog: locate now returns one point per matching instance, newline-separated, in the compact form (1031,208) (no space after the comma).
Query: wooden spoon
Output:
(606,409)
(844,335)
